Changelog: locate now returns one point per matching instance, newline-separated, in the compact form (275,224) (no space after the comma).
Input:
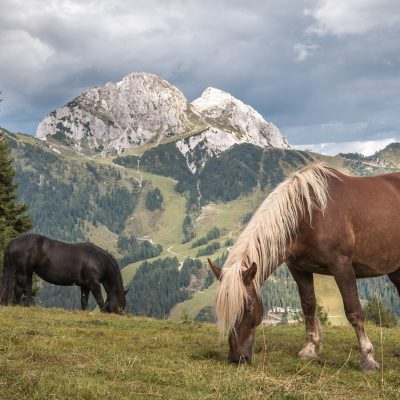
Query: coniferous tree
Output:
(376,312)
(154,199)
(13,218)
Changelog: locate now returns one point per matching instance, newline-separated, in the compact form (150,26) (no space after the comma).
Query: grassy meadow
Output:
(56,354)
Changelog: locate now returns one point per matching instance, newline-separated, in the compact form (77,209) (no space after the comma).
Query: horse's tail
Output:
(7,279)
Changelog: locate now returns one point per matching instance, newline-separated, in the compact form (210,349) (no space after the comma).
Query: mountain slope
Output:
(76,197)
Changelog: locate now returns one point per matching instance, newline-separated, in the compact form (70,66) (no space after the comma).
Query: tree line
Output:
(136,250)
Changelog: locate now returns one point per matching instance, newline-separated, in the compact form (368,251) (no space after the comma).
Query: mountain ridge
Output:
(143,108)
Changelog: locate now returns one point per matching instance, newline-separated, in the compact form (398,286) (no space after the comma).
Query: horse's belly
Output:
(57,278)
(371,261)
(308,266)
(369,270)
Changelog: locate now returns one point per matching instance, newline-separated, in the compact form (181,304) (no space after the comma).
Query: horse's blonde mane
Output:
(267,236)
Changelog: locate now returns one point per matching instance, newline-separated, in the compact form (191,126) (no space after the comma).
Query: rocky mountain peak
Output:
(143,108)
(213,98)
(224,111)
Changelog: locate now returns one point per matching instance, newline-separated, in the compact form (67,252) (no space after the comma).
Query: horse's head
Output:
(116,304)
(241,337)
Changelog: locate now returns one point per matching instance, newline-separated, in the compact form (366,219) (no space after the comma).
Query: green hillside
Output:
(55,354)
(73,196)
(189,309)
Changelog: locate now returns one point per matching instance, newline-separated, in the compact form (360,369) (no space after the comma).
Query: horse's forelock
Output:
(230,297)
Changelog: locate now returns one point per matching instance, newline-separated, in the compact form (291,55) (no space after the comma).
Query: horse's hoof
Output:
(370,366)
(307,353)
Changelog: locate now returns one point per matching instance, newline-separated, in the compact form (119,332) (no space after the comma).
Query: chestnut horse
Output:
(81,264)
(316,221)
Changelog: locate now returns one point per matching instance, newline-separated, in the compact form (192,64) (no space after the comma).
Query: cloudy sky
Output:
(327,72)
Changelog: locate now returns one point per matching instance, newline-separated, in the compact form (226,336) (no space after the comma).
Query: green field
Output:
(55,354)
(190,308)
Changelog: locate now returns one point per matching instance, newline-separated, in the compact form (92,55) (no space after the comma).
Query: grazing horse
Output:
(81,264)
(317,221)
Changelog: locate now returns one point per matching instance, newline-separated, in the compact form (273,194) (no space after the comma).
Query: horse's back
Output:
(71,263)
(56,262)
(361,220)
(366,200)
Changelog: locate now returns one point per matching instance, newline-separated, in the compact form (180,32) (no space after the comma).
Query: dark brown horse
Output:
(81,264)
(317,221)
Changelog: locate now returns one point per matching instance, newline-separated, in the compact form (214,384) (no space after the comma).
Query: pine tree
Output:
(13,218)
(376,312)
(154,199)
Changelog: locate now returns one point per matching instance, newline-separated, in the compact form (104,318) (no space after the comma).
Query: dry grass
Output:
(55,354)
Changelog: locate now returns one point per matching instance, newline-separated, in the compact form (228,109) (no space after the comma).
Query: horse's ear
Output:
(126,291)
(249,274)
(215,268)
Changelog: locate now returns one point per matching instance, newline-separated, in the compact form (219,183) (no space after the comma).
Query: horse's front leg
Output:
(313,342)
(343,273)
(95,288)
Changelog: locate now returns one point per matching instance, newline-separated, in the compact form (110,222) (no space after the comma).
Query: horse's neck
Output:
(281,261)
(111,284)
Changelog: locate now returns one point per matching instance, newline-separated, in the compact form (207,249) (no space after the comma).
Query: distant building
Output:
(279,315)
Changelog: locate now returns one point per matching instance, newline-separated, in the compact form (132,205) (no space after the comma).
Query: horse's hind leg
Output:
(28,291)
(343,273)
(19,287)
(18,292)
(84,297)
(313,343)
(95,288)
(395,278)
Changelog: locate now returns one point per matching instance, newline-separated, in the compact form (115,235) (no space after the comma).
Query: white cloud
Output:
(340,17)
(366,148)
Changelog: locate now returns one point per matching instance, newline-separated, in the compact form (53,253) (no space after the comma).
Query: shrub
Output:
(376,312)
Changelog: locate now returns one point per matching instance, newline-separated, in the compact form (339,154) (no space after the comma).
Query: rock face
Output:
(143,108)
(139,109)
(222,110)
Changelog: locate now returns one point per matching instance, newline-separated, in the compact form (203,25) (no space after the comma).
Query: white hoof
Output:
(308,352)
(370,365)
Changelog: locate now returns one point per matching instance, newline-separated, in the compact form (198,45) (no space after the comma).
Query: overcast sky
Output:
(324,71)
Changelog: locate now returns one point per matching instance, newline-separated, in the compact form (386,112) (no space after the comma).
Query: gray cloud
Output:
(323,71)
